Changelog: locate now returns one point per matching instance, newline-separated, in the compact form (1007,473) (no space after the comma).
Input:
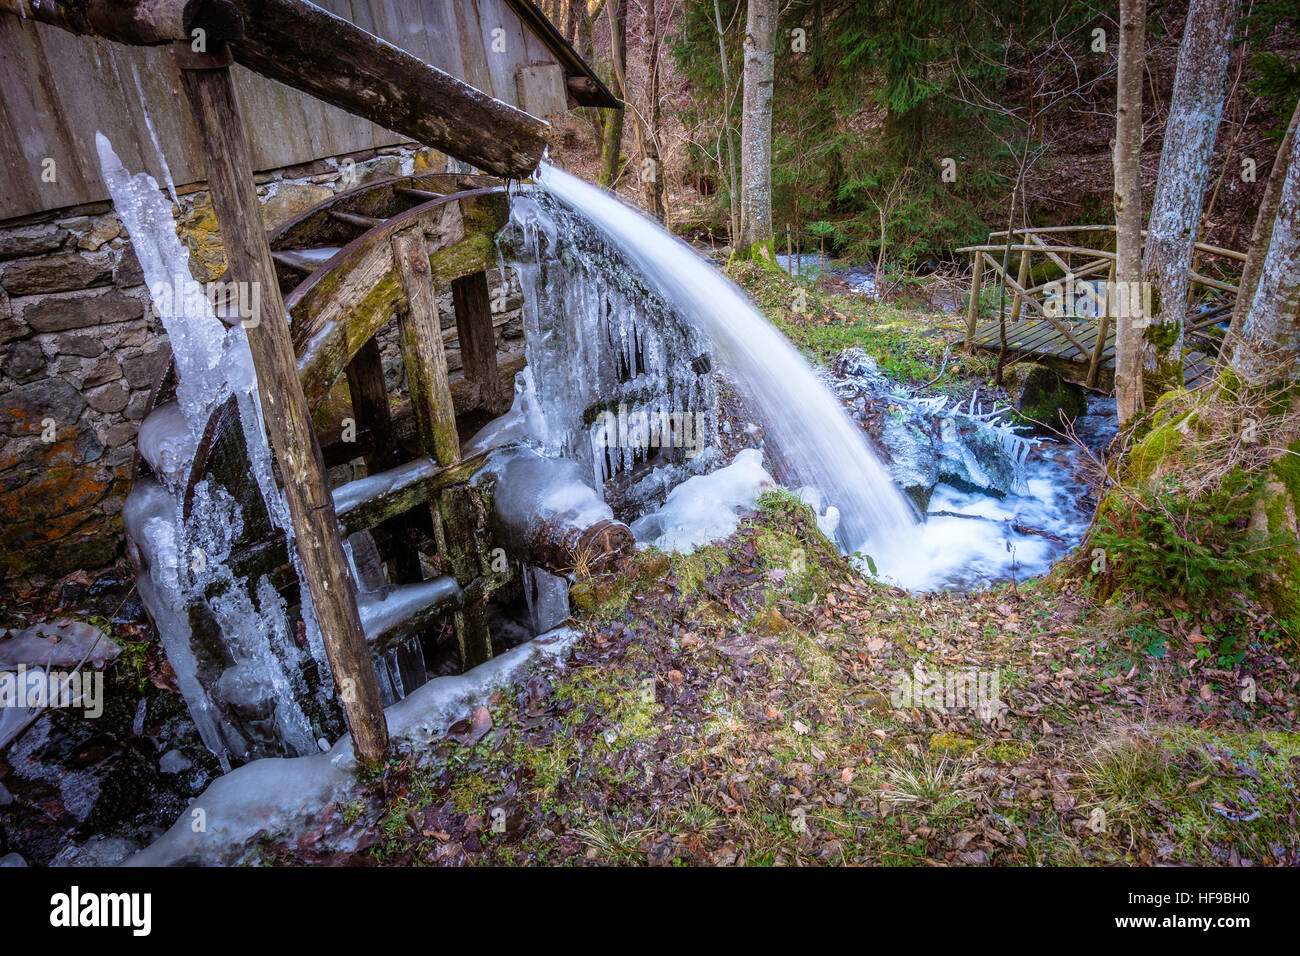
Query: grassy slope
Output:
(734,706)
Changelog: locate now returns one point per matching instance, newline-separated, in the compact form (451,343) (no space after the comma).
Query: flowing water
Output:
(1017,531)
(821,446)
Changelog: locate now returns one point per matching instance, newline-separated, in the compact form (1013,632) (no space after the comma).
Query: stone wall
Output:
(81,351)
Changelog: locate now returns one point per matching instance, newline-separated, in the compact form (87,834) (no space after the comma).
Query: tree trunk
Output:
(1190,132)
(1269,347)
(571,22)
(756,131)
(612,147)
(652,169)
(1128,210)
(733,178)
(1260,237)
(587,48)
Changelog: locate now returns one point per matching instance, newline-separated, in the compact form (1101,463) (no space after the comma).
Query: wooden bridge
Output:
(1061,300)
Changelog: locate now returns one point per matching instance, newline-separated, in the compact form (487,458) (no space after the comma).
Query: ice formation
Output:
(276,794)
(181,546)
(706,508)
(603,343)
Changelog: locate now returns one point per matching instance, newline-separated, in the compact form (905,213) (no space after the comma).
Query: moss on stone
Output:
(1046,400)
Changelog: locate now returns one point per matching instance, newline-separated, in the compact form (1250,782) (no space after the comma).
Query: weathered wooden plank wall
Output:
(59,89)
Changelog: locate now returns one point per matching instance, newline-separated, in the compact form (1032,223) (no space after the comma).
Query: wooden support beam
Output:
(1051,254)
(423,352)
(352,219)
(1022,277)
(1103,328)
(972,309)
(420,195)
(211,96)
(457,530)
(137,22)
(310,49)
(1055,323)
(452,511)
(478,344)
(411,485)
(370,410)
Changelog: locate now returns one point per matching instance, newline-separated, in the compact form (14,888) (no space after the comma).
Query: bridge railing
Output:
(1078,295)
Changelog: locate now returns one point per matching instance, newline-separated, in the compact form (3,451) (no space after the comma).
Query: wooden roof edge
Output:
(574,65)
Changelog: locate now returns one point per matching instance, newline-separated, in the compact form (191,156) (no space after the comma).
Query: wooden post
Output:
(1103,327)
(226,153)
(789,252)
(478,342)
(1022,278)
(435,417)
(422,351)
(972,310)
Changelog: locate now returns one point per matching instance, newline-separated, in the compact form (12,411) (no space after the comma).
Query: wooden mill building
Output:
(80,345)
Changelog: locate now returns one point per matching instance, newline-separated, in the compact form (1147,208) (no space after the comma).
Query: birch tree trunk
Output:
(756,131)
(1128,211)
(612,147)
(1269,348)
(1260,236)
(1190,131)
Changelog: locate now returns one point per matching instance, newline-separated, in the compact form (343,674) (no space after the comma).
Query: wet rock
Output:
(108,398)
(929,441)
(25,361)
(23,409)
(85,346)
(12,859)
(127,272)
(173,761)
(31,240)
(105,371)
(142,368)
(71,593)
(100,231)
(286,200)
(97,851)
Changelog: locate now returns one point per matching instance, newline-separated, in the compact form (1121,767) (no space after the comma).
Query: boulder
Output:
(1048,401)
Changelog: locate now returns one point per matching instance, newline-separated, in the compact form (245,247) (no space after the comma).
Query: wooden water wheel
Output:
(348,268)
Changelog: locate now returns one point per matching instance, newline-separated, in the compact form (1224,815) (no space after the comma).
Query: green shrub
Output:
(1162,544)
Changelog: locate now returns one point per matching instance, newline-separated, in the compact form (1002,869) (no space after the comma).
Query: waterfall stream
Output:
(819,443)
